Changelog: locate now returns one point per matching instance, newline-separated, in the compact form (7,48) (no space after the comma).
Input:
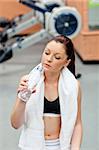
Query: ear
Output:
(67,62)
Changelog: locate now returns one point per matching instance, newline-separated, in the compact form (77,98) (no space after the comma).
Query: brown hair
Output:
(70,50)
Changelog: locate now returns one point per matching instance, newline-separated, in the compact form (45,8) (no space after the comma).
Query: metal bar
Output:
(20,45)
(32,5)
(21,27)
(24,17)
(30,40)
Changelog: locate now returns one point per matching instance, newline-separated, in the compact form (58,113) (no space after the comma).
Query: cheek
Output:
(59,64)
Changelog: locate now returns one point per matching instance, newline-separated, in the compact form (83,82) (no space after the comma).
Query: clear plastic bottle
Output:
(34,78)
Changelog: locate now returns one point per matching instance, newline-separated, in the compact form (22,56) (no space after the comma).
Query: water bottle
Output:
(34,78)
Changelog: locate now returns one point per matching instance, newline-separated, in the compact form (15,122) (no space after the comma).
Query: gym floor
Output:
(21,63)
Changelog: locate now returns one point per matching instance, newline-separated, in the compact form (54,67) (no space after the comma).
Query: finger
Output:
(23,83)
(25,78)
(21,89)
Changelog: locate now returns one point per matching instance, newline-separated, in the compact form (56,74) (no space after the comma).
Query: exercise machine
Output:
(55,17)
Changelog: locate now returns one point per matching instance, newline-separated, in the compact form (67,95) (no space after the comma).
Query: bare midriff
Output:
(52,127)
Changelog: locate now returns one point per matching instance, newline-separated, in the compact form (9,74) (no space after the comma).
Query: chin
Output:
(46,69)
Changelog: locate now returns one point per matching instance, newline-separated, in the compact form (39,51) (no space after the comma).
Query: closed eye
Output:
(57,57)
(47,53)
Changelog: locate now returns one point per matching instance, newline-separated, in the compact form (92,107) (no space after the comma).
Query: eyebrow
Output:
(50,50)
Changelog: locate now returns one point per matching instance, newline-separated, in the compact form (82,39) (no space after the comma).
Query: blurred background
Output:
(21,46)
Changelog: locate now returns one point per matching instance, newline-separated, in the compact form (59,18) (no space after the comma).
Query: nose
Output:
(50,58)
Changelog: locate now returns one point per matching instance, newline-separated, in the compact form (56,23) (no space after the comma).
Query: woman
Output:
(51,114)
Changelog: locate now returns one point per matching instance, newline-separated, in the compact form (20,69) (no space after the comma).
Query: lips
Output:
(47,65)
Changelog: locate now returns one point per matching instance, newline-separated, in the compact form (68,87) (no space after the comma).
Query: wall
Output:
(12,8)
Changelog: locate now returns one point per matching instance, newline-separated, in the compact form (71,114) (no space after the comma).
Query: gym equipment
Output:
(4,22)
(55,18)
(14,26)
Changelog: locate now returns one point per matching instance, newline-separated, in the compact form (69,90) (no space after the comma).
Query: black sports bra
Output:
(51,106)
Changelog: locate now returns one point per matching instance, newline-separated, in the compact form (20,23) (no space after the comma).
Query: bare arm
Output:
(17,115)
(77,133)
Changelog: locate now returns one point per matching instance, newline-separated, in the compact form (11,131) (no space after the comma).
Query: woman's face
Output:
(54,57)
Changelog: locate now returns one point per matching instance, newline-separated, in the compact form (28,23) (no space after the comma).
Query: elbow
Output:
(15,124)
(79,124)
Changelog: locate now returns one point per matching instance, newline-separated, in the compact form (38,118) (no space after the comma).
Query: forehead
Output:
(56,47)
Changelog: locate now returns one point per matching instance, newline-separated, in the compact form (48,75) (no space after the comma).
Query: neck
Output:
(51,77)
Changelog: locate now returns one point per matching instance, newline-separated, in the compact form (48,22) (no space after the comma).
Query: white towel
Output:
(68,92)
